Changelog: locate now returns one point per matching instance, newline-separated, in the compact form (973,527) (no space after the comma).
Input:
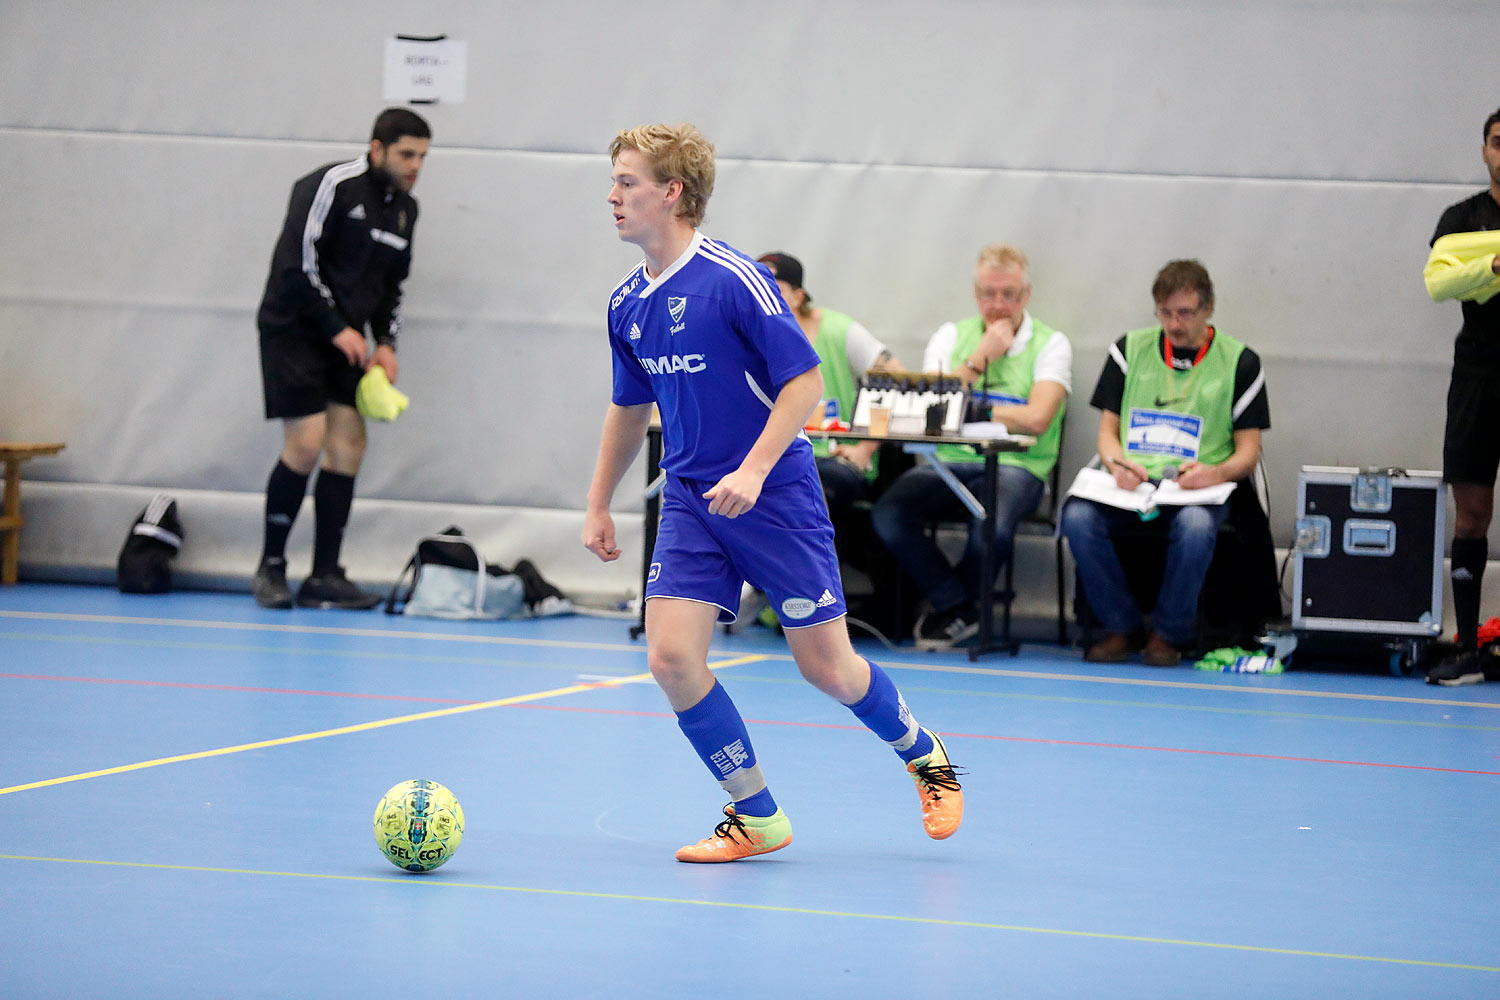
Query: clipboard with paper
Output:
(1100,486)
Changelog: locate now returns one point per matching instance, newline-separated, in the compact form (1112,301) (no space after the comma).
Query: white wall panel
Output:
(1277,88)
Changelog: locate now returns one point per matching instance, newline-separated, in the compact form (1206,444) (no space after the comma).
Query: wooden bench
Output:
(13,454)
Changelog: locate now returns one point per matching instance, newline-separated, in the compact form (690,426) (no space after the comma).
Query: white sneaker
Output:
(752,602)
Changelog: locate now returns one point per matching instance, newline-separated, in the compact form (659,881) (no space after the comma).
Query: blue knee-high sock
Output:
(884,712)
(716,731)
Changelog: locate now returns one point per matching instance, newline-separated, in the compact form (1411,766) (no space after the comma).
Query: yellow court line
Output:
(374,633)
(938,668)
(764,908)
(360,727)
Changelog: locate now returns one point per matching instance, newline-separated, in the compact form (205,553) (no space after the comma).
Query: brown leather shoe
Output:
(1113,648)
(1160,653)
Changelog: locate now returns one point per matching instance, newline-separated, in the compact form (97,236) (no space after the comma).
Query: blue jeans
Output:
(842,486)
(1190,532)
(919,497)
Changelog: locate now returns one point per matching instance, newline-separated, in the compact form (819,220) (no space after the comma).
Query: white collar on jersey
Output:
(674,267)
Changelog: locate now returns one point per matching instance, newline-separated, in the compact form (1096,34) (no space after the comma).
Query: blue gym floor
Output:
(187,784)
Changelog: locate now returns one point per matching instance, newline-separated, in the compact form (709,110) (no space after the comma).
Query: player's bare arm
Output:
(624,431)
(737,492)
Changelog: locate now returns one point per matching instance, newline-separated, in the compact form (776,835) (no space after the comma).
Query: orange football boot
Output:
(740,837)
(938,788)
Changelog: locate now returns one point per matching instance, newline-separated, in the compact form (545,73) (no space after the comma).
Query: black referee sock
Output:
(333,495)
(284,492)
(1469,558)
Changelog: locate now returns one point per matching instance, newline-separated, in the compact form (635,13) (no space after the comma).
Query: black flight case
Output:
(1369,561)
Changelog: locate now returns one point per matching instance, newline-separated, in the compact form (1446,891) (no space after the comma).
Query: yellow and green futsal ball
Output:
(418,825)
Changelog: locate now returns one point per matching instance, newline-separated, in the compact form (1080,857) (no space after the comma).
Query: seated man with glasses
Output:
(1183,399)
(1023,369)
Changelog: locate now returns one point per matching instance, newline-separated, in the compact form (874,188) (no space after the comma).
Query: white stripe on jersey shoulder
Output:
(1255,388)
(1114,352)
(312,231)
(750,275)
(677,265)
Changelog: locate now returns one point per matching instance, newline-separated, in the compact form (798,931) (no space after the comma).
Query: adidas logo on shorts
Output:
(827,599)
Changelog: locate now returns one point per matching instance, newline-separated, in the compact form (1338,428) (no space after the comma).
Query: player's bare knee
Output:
(344,458)
(840,677)
(1473,508)
(301,455)
(672,666)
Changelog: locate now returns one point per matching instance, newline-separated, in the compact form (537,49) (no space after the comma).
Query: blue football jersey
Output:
(712,343)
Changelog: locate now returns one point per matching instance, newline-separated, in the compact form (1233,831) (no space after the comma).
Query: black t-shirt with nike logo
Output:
(1109,394)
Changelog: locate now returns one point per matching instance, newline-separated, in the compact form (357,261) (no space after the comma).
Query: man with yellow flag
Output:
(1465,265)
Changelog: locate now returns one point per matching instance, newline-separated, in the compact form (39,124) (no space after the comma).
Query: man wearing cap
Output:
(1023,369)
(344,250)
(846,350)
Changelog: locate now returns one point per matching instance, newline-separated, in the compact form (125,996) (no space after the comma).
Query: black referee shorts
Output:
(302,374)
(1471,442)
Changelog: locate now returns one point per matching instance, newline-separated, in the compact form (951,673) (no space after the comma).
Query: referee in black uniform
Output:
(337,270)
(1471,441)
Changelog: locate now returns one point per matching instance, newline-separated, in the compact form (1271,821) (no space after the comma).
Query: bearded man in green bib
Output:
(1181,399)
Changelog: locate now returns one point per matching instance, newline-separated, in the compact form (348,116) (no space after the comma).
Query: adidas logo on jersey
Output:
(635,332)
(827,599)
(357,212)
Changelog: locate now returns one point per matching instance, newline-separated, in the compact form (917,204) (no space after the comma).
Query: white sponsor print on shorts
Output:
(798,608)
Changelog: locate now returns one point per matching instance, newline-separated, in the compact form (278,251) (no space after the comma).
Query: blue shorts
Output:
(783,546)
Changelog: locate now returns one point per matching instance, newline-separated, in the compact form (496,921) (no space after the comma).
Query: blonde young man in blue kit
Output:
(702,331)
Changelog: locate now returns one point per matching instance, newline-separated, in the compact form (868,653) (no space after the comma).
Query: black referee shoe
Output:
(269,585)
(333,590)
(1472,667)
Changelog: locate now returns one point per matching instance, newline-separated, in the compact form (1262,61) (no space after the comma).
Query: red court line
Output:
(766,722)
(1060,743)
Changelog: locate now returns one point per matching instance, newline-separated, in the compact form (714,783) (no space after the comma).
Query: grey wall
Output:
(1302,150)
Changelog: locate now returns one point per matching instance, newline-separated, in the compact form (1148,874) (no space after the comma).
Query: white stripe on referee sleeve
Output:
(1249,395)
(749,275)
(313,229)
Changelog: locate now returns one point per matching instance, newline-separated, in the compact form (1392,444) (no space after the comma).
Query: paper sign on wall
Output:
(426,70)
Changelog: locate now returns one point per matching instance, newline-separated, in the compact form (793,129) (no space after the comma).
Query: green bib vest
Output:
(832,345)
(1009,377)
(1168,417)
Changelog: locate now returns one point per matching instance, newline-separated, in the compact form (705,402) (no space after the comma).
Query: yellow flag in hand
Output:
(376,398)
